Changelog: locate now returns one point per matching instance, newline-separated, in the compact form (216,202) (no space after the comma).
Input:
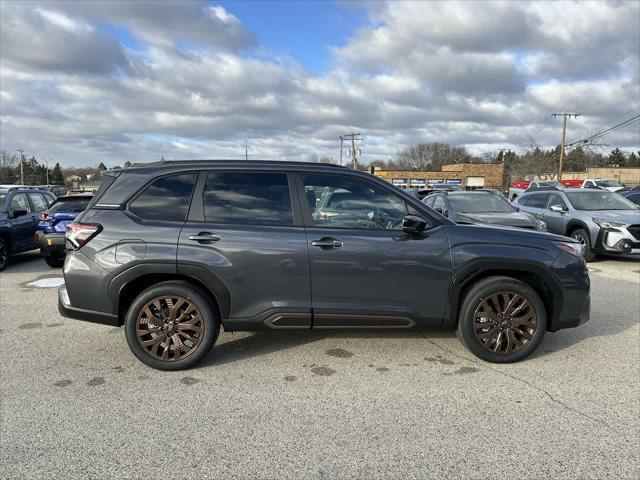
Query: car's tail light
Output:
(44,216)
(79,234)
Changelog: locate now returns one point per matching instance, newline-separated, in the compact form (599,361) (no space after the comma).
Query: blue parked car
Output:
(53,224)
(19,210)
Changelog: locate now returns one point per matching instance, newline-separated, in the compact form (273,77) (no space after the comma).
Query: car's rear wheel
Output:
(54,261)
(502,320)
(4,254)
(582,236)
(171,326)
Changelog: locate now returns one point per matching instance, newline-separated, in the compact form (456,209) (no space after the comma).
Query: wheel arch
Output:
(575,224)
(6,236)
(124,292)
(544,285)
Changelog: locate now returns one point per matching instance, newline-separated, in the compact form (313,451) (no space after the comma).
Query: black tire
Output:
(4,254)
(467,318)
(199,299)
(581,235)
(54,261)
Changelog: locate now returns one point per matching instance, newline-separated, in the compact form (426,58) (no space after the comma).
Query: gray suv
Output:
(602,221)
(175,250)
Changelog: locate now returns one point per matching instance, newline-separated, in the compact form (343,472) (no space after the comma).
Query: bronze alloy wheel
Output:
(504,322)
(169,328)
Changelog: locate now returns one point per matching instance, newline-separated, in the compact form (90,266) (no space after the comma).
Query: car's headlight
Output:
(541,226)
(607,223)
(573,248)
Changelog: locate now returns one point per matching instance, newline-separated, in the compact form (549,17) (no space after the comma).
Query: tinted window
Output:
(478,203)
(165,199)
(70,205)
(20,202)
(248,198)
(537,201)
(38,201)
(344,202)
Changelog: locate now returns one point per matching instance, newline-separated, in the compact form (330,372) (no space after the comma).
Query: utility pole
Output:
(354,137)
(341,147)
(564,116)
(21,170)
(47,163)
(246,150)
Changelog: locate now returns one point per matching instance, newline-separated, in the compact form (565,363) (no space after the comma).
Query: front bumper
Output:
(50,243)
(616,241)
(66,310)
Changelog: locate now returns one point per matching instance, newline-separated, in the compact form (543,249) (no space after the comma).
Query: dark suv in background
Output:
(174,250)
(20,208)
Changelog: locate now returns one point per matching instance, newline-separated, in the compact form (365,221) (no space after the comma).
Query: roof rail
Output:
(205,161)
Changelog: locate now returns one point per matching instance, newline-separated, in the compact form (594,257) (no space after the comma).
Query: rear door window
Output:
(537,201)
(165,199)
(252,198)
(38,201)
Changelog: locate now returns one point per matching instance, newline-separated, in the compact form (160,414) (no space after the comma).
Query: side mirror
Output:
(414,225)
(18,212)
(557,209)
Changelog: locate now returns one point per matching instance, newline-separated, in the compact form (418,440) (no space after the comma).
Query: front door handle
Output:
(205,237)
(327,242)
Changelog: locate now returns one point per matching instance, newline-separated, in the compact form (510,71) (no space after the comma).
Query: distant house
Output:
(74,178)
(90,176)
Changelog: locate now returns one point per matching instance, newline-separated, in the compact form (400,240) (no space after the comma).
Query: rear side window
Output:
(258,198)
(38,201)
(107,180)
(165,199)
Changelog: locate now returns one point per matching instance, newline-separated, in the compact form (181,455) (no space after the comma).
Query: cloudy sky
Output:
(85,82)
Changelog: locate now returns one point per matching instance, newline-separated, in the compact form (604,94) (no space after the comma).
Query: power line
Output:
(603,132)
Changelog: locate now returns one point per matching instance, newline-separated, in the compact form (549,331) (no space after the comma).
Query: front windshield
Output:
(479,203)
(607,183)
(601,200)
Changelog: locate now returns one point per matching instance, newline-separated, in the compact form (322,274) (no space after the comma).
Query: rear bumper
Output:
(51,243)
(66,310)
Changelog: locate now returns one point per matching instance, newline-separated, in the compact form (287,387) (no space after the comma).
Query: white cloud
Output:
(480,74)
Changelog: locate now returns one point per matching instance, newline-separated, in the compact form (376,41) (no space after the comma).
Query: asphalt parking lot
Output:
(75,403)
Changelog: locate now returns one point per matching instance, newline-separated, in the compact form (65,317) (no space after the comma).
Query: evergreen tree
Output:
(56,177)
(616,158)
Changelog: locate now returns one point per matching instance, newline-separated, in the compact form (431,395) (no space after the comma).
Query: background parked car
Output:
(57,190)
(602,221)
(632,194)
(611,185)
(53,225)
(19,212)
(486,208)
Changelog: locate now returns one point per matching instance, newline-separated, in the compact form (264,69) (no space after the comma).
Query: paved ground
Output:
(76,404)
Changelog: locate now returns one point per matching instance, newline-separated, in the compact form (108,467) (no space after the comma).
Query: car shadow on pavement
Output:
(27,262)
(256,344)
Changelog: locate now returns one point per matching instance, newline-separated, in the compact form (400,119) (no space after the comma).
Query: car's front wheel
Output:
(171,326)
(582,236)
(502,320)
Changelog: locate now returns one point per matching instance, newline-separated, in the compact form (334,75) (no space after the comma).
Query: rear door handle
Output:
(327,242)
(205,237)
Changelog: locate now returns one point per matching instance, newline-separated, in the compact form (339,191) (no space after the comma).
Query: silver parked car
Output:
(602,221)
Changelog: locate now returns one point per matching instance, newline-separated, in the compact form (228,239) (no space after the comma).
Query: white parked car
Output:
(611,185)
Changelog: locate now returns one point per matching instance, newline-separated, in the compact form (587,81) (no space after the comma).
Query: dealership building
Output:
(469,176)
